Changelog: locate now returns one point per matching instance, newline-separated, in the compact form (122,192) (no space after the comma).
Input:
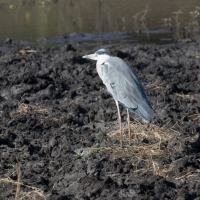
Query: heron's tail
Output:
(144,110)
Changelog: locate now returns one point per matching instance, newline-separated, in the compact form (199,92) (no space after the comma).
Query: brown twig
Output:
(19,174)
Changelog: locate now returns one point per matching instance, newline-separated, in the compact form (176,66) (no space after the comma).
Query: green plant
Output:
(11,165)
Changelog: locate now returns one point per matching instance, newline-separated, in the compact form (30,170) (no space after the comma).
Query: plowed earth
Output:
(59,135)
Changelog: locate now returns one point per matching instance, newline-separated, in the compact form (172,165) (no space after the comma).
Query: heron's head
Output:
(100,55)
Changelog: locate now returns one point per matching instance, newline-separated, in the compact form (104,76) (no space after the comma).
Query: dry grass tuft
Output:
(187,96)
(152,147)
(179,97)
(157,87)
(145,136)
(194,117)
(149,146)
(31,193)
(25,51)
(27,108)
(172,173)
(190,176)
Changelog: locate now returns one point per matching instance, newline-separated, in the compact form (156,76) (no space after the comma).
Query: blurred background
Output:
(87,23)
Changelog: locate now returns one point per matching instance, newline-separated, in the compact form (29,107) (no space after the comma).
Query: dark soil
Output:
(56,119)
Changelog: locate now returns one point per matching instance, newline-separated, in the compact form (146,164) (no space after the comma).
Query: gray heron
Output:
(124,86)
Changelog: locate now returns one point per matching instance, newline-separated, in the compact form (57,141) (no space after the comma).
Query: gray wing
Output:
(126,87)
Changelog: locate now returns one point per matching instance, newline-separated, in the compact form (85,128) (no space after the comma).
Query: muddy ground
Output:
(59,134)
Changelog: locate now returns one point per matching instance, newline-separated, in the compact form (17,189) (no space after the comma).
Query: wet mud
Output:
(59,135)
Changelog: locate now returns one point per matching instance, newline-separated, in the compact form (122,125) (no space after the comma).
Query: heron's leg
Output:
(129,127)
(120,123)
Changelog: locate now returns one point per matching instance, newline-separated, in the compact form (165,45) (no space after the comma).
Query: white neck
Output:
(103,58)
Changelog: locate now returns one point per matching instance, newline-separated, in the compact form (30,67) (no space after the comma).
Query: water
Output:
(92,22)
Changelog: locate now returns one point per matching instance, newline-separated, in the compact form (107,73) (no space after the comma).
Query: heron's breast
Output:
(98,67)
(102,70)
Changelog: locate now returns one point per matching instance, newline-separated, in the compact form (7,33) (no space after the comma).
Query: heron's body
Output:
(123,84)
(125,87)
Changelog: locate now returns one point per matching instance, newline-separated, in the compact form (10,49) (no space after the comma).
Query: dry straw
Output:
(23,191)
(157,87)
(27,108)
(151,147)
(148,146)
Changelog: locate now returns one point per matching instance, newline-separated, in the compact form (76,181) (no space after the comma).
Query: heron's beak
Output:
(91,56)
